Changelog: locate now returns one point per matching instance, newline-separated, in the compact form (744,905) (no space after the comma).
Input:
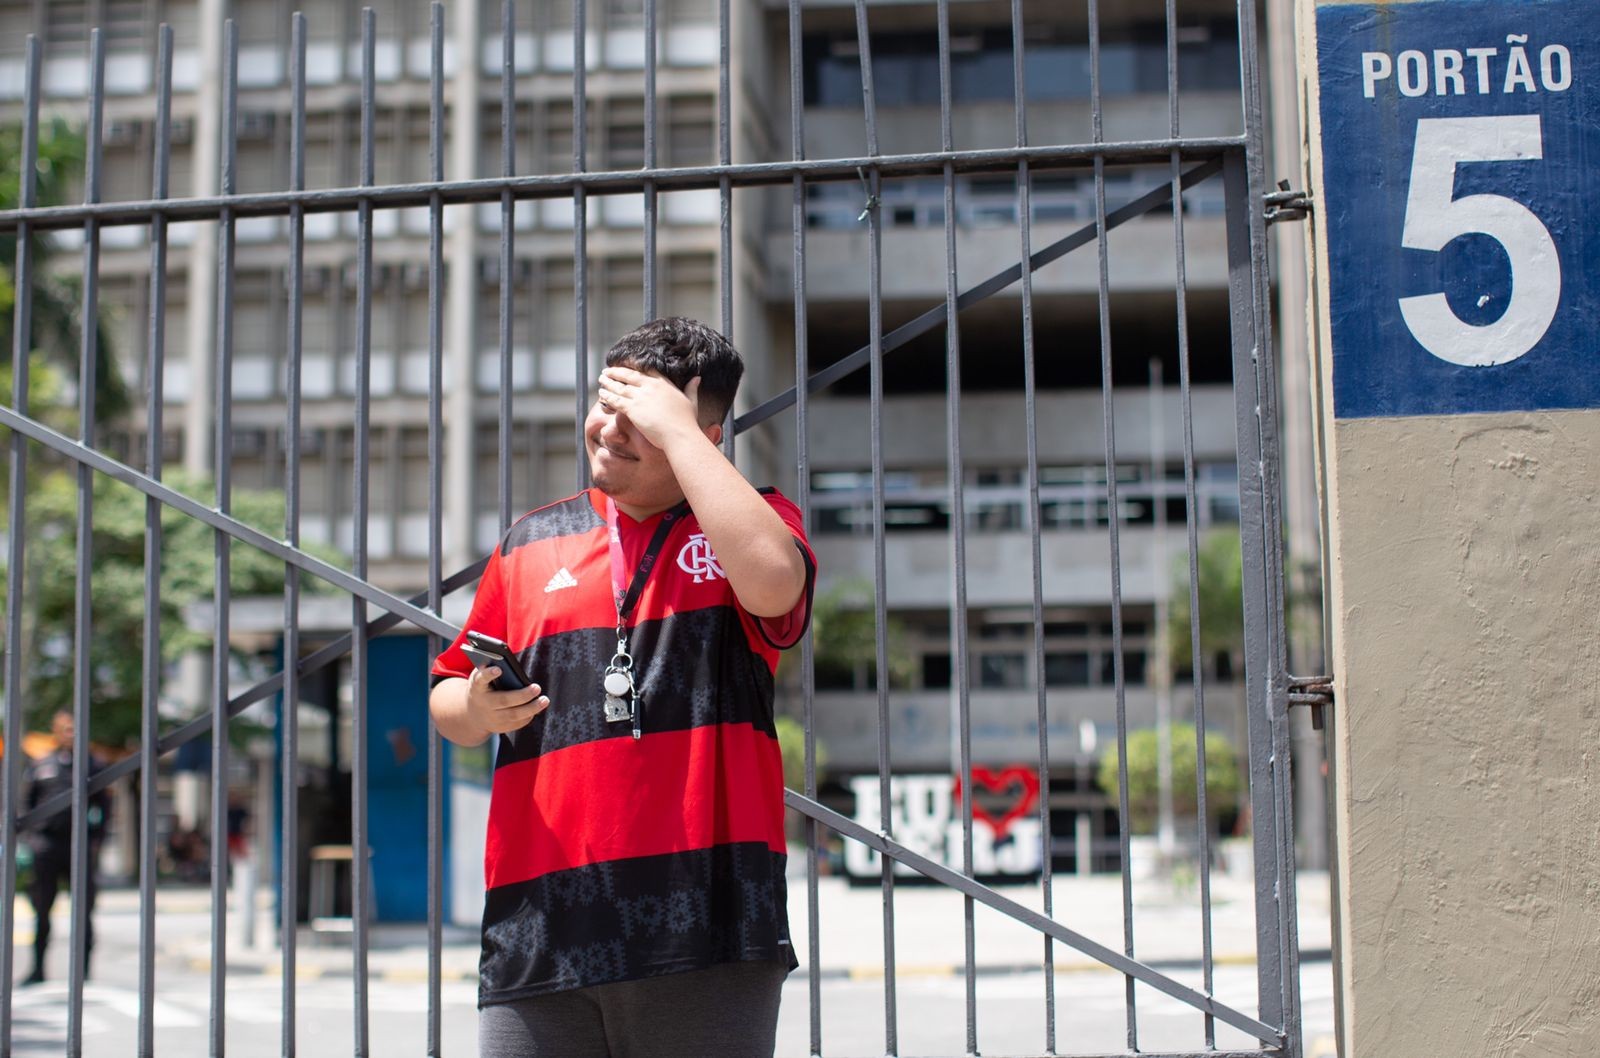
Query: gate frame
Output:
(1239,161)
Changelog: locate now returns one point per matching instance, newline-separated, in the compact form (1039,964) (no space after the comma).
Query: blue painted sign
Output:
(1461,201)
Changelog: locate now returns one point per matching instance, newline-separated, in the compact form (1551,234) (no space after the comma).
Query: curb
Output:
(863,972)
(874,971)
(315,972)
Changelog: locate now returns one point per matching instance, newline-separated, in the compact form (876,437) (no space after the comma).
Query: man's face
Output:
(624,464)
(61,727)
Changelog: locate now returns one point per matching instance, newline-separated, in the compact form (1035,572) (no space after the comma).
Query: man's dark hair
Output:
(678,349)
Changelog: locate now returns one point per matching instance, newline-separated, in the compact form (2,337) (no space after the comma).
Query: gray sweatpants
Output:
(727,1011)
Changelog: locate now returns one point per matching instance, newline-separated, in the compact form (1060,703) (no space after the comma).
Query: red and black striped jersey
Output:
(610,859)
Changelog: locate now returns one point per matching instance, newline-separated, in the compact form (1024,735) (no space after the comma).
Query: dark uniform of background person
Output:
(51,842)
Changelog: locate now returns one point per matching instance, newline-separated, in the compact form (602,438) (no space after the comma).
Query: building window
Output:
(1066,668)
(624,136)
(996,498)
(1007,671)
(66,27)
(1055,66)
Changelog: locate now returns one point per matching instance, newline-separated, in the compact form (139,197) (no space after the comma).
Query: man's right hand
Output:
(468,710)
(498,712)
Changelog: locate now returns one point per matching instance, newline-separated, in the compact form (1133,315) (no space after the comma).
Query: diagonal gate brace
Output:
(938,872)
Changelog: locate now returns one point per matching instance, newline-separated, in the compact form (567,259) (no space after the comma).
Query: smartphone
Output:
(487,650)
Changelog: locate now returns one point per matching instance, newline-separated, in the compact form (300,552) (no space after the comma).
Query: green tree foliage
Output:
(792,744)
(1221,582)
(844,634)
(1222,776)
(117,584)
(57,302)
(117,589)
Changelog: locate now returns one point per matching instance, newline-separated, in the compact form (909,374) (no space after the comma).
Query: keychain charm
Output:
(618,685)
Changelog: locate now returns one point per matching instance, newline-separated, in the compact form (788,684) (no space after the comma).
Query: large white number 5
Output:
(1434,218)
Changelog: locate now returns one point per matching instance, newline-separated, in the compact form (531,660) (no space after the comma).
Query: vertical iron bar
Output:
(1097,121)
(1261,696)
(149,720)
(1197,673)
(1035,517)
(580,235)
(508,215)
(360,862)
(436,849)
(289,741)
(802,400)
(83,615)
(1192,524)
(1272,639)
(15,691)
(650,199)
(222,456)
(725,186)
(958,519)
(880,576)
(1274,633)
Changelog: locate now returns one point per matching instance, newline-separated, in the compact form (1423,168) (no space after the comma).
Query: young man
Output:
(635,855)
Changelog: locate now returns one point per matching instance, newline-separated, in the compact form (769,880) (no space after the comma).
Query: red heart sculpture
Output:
(1001,797)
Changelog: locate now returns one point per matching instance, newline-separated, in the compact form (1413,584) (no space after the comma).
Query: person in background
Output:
(51,841)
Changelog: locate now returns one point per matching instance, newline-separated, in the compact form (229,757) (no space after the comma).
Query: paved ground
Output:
(929,929)
(930,992)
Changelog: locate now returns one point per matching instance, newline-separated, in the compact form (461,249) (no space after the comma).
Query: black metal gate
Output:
(1233,161)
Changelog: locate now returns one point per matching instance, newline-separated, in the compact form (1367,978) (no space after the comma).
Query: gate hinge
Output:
(1315,691)
(1287,204)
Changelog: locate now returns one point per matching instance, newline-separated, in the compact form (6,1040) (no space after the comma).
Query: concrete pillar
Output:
(461,332)
(191,799)
(120,860)
(1462,527)
(767,453)
(201,282)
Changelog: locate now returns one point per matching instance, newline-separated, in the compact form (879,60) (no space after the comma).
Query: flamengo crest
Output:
(698,560)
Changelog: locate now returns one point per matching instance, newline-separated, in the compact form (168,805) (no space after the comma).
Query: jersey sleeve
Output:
(787,630)
(488,615)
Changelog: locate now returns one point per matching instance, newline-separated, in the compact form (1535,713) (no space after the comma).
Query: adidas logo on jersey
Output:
(562,579)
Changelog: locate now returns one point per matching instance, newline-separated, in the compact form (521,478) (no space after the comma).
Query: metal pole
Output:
(650,202)
(962,691)
(725,186)
(620,182)
(1113,506)
(1035,517)
(360,853)
(1191,524)
(1272,965)
(82,870)
(508,219)
(289,713)
(1161,669)
(155,370)
(15,688)
(221,562)
(875,350)
(582,384)
(436,778)
(1272,634)
(802,370)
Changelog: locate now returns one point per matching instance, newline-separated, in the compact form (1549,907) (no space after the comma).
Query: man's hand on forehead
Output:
(652,403)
